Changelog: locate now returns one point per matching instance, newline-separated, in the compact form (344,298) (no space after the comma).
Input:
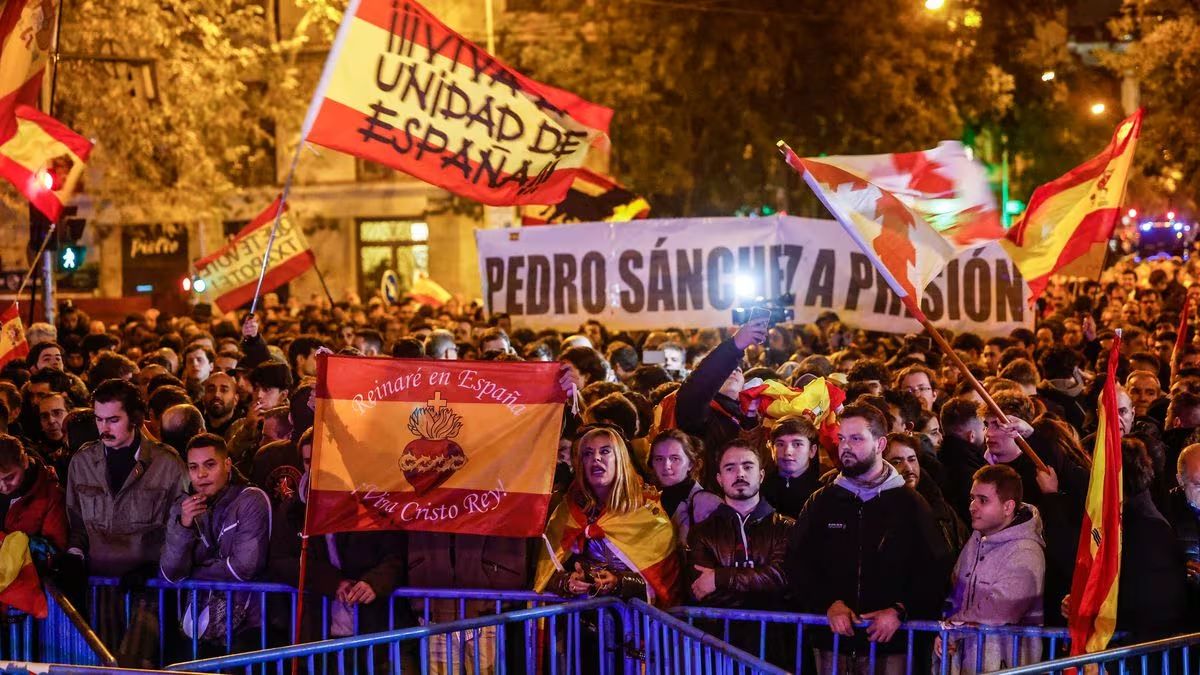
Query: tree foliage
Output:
(1164,56)
(702,90)
(221,84)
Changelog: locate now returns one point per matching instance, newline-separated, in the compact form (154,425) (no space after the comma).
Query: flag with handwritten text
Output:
(231,273)
(402,89)
(438,446)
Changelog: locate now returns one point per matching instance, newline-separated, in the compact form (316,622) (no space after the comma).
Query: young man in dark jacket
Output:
(735,557)
(866,548)
(797,473)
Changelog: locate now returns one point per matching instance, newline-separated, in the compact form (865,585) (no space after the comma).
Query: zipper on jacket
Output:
(745,541)
(858,580)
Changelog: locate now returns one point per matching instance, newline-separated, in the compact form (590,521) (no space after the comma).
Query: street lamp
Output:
(934,5)
(1048,75)
(1098,108)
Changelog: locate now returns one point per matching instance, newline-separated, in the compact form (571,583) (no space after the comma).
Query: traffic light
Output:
(1014,207)
(70,258)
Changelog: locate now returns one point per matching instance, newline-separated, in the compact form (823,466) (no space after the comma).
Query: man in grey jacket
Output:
(220,530)
(120,489)
(1000,574)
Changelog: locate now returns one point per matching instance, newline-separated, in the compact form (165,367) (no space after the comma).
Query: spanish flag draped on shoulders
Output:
(628,534)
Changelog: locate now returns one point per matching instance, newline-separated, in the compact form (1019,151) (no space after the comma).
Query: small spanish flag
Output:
(1070,219)
(593,198)
(44,160)
(12,335)
(26,31)
(20,586)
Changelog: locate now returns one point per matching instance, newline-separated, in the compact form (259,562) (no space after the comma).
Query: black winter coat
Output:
(747,555)
(693,410)
(1152,596)
(870,554)
(788,495)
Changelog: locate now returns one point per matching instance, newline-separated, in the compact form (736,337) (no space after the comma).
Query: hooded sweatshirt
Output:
(999,580)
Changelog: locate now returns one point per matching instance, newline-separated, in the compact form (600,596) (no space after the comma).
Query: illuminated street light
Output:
(934,5)
(1170,215)
(1098,108)
(1133,213)
(1048,75)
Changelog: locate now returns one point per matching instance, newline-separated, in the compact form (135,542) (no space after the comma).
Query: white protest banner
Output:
(692,272)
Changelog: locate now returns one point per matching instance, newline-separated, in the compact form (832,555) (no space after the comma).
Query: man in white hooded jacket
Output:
(1000,574)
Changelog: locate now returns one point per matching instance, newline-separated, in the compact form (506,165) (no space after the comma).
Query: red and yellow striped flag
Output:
(12,335)
(44,160)
(26,32)
(440,446)
(643,539)
(1073,216)
(20,585)
(231,273)
(402,89)
(1093,616)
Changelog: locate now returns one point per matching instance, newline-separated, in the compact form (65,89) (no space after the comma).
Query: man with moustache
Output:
(120,489)
(866,549)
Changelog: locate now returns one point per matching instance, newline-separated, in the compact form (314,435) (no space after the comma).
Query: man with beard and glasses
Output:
(735,557)
(866,549)
(904,452)
(52,412)
(220,403)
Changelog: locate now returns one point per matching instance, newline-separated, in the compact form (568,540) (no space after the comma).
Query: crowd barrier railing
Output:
(777,635)
(599,635)
(1168,656)
(62,637)
(273,606)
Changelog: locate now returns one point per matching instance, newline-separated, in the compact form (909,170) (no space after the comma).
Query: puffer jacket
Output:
(747,555)
(999,580)
(122,532)
(228,542)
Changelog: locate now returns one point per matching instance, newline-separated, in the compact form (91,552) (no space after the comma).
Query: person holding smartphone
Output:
(707,402)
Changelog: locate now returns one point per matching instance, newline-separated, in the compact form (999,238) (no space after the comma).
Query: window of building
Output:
(401,245)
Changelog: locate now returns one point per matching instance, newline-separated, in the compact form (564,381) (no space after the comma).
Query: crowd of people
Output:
(179,448)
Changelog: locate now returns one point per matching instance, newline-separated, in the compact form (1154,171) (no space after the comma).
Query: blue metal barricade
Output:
(1171,656)
(601,635)
(62,637)
(269,612)
(775,636)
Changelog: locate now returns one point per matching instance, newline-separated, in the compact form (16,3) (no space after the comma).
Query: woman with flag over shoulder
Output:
(610,535)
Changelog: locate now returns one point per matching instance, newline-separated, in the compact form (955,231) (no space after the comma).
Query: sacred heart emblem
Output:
(432,457)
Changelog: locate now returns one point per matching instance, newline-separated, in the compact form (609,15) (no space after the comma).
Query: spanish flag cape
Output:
(644,540)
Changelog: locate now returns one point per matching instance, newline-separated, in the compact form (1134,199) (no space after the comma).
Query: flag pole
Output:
(36,258)
(310,117)
(324,286)
(975,383)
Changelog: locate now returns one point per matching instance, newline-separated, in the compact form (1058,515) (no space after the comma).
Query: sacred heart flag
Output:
(437,446)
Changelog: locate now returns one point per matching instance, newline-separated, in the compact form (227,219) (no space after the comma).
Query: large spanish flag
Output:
(26,33)
(44,160)
(439,446)
(644,541)
(231,273)
(12,335)
(402,89)
(1098,562)
(20,586)
(1073,216)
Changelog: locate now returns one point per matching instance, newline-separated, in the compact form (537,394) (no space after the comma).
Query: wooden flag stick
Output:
(975,384)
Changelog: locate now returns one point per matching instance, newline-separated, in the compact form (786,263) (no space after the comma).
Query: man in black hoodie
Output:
(866,548)
(707,401)
(797,473)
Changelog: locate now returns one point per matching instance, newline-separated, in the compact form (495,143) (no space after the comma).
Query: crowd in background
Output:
(179,448)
